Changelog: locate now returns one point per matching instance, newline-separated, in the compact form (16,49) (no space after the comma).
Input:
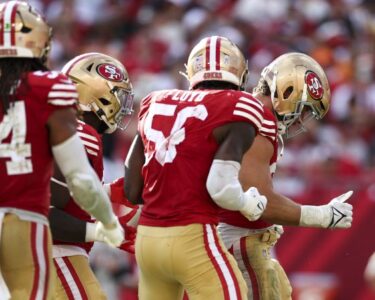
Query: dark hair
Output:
(11,71)
(215,85)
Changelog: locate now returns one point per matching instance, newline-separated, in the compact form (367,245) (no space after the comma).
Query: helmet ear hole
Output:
(104,101)
(25,29)
(89,67)
(288,92)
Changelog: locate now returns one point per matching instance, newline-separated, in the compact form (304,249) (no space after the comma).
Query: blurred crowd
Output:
(152,38)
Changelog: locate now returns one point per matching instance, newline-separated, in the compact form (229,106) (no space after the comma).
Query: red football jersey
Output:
(268,130)
(176,128)
(94,149)
(26,160)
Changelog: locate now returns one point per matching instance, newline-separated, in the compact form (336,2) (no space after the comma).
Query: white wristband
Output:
(90,232)
(315,216)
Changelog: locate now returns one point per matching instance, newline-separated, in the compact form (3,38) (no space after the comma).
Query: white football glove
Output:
(335,214)
(112,234)
(254,204)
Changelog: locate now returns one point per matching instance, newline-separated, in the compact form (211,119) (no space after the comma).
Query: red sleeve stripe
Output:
(253,102)
(267,135)
(61,86)
(269,123)
(55,94)
(62,102)
(89,151)
(91,145)
(252,110)
(87,136)
(250,117)
(268,130)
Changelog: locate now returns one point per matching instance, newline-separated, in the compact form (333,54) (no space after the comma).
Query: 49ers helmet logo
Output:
(314,85)
(110,72)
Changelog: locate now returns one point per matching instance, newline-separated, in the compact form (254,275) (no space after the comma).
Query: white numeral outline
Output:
(165,147)
(17,150)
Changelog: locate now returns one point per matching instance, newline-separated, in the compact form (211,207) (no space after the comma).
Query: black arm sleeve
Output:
(65,227)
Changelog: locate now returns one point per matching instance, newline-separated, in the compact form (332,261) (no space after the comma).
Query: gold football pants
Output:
(25,259)
(264,275)
(190,257)
(75,279)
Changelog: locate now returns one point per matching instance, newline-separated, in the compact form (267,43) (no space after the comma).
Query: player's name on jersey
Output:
(189,96)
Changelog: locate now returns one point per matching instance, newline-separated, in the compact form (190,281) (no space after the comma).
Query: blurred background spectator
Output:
(153,38)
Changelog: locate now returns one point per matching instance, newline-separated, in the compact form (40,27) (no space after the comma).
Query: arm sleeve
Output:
(223,184)
(81,179)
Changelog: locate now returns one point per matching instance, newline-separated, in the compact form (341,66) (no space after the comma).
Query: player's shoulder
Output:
(49,78)
(269,125)
(89,137)
(54,86)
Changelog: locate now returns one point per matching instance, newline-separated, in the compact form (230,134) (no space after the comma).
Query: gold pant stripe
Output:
(223,268)
(71,283)
(191,258)
(26,258)
(75,280)
(39,246)
(249,269)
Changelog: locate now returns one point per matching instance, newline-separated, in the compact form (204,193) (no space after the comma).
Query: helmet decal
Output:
(110,72)
(314,85)
(198,63)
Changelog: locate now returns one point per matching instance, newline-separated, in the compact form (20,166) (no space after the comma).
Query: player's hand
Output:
(129,244)
(255,204)
(341,213)
(112,234)
(115,191)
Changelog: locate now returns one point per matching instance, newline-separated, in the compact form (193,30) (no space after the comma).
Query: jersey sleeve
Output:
(269,126)
(250,110)
(53,90)
(62,93)
(145,103)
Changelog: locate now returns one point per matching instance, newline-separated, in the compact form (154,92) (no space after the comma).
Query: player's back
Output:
(177,131)
(25,153)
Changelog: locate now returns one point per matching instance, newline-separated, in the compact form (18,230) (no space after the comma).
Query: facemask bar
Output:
(287,120)
(126,100)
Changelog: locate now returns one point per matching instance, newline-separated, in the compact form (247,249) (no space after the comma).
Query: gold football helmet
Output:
(298,88)
(23,31)
(216,58)
(103,87)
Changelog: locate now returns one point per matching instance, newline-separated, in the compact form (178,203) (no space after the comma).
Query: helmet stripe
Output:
(3,5)
(218,45)
(213,45)
(9,11)
(68,67)
(13,28)
(208,54)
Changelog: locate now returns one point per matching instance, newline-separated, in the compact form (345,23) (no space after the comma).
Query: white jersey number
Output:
(17,150)
(165,147)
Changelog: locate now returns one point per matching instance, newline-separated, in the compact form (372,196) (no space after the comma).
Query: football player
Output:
(293,90)
(184,164)
(37,123)
(106,102)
